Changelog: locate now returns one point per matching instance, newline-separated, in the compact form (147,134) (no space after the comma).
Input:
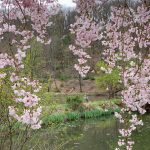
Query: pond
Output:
(99,134)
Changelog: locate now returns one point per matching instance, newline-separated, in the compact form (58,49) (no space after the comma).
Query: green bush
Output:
(74,102)
(109,81)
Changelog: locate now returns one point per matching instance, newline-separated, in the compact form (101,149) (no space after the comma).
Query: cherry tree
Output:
(21,21)
(127,47)
(125,36)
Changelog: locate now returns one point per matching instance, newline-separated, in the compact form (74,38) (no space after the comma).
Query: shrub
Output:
(74,102)
(108,80)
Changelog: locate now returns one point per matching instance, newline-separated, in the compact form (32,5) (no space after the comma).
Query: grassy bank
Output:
(55,111)
(71,116)
(56,108)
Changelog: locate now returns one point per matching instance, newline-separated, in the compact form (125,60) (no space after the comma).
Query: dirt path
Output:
(72,86)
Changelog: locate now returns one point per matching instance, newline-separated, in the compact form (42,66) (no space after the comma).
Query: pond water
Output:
(99,134)
(90,134)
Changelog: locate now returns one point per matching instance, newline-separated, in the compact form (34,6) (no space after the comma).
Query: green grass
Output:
(55,111)
(101,102)
(71,116)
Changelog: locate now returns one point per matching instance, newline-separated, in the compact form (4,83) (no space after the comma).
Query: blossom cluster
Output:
(20,88)
(84,6)
(86,31)
(81,67)
(29,117)
(133,122)
(137,95)
(29,100)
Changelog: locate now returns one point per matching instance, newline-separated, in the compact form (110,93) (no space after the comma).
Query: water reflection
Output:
(98,134)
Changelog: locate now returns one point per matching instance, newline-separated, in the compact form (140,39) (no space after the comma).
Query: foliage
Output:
(74,102)
(46,98)
(6,94)
(71,116)
(109,81)
(33,60)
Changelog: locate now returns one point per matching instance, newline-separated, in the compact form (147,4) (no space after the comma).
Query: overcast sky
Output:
(67,3)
